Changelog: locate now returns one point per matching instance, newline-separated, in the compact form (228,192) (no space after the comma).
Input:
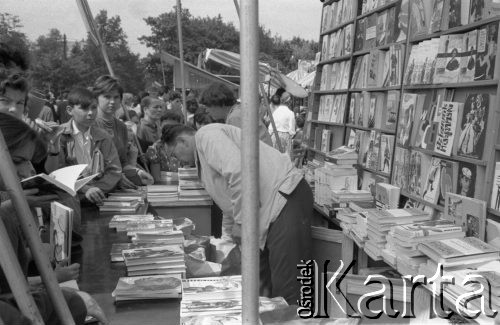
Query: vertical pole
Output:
(30,230)
(249,48)
(162,66)
(181,57)
(15,278)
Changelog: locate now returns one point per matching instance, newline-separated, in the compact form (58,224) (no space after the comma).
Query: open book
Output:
(67,179)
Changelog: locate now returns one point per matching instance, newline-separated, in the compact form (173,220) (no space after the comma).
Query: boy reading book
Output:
(81,142)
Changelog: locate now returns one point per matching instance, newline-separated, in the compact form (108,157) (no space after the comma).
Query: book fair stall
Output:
(388,214)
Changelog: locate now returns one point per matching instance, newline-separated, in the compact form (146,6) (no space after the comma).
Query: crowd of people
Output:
(120,137)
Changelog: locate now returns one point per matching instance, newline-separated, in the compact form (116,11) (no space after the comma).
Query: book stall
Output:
(403,145)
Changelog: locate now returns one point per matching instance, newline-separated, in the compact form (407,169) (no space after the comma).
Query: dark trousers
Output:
(288,242)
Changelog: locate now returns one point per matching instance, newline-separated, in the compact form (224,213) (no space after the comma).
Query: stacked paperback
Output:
(148,287)
(167,259)
(119,222)
(190,186)
(124,202)
(162,193)
(216,300)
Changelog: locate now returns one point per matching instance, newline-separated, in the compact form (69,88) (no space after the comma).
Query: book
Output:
(486,52)
(445,140)
(381,28)
(118,248)
(419,166)
(495,192)
(405,124)
(401,21)
(473,127)
(468,213)
(466,182)
(420,17)
(455,16)
(61,227)
(431,188)
(66,179)
(386,153)
(119,222)
(224,287)
(148,287)
(459,251)
(468,59)
(436,16)
(448,59)
(390,117)
(147,255)
(426,229)
(401,168)
(447,179)
(387,195)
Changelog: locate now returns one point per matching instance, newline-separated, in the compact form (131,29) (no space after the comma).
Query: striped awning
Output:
(266,72)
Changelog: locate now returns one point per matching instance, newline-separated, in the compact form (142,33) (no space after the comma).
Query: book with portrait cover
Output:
(472,131)
(361,110)
(455,16)
(353,103)
(405,124)
(468,213)
(468,57)
(431,186)
(373,150)
(391,111)
(386,153)
(61,227)
(419,165)
(359,40)
(495,191)
(466,182)
(401,168)
(486,52)
(450,115)
(436,16)
(447,179)
(401,21)
(364,146)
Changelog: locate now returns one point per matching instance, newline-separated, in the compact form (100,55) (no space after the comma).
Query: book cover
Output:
(373,150)
(67,179)
(224,287)
(372,111)
(473,126)
(148,287)
(363,151)
(486,52)
(420,17)
(431,187)
(348,39)
(466,182)
(371,32)
(354,102)
(419,107)
(361,109)
(382,28)
(419,166)
(477,10)
(391,110)
(390,25)
(455,16)
(447,129)
(447,179)
(401,25)
(426,228)
(386,152)
(61,227)
(324,48)
(359,41)
(468,213)
(324,19)
(448,59)
(459,247)
(401,168)
(468,59)
(495,192)
(406,119)
(436,16)
(149,254)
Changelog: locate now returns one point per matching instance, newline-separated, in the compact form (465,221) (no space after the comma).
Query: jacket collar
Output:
(95,132)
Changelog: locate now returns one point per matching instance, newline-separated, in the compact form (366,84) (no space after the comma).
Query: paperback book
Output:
(473,126)
(468,213)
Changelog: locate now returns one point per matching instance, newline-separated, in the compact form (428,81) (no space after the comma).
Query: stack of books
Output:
(216,300)
(118,248)
(167,259)
(149,227)
(379,224)
(343,197)
(121,204)
(387,196)
(190,186)
(119,222)
(148,287)
(342,156)
(162,193)
(168,237)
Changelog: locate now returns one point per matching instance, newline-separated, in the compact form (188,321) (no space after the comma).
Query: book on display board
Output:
(468,213)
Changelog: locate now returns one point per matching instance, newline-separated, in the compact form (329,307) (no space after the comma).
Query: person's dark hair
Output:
(13,58)
(170,133)
(300,121)
(203,118)
(17,134)
(146,101)
(80,96)
(14,65)
(132,113)
(105,84)
(217,94)
(276,100)
(192,105)
(172,116)
(173,95)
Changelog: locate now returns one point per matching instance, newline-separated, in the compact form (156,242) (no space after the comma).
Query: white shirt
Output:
(284,120)
(82,145)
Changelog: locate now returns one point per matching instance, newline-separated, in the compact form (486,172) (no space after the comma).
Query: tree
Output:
(126,65)
(10,34)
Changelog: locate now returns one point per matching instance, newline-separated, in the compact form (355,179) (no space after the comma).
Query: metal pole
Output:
(17,282)
(30,230)
(181,57)
(249,48)
(162,67)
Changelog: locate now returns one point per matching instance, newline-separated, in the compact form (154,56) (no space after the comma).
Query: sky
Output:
(287,18)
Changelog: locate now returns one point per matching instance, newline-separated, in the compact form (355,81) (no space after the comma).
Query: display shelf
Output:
(379,9)
(454,158)
(380,47)
(317,151)
(352,126)
(472,84)
(325,213)
(338,27)
(327,123)
(333,91)
(455,30)
(373,171)
(337,59)
(372,89)
(422,201)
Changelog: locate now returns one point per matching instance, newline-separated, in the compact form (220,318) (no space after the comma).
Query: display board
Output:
(413,85)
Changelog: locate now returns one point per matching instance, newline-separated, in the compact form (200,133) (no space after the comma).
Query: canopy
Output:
(266,72)
(305,81)
(196,78)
